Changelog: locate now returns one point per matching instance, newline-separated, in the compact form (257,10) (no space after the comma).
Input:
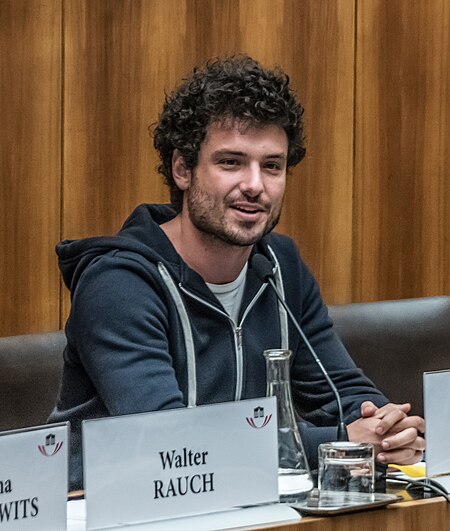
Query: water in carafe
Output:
(294,477)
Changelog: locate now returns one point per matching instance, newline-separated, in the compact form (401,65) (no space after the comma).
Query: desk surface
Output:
(431,514)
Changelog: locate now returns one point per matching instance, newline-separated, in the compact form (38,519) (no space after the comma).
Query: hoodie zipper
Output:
(237,333)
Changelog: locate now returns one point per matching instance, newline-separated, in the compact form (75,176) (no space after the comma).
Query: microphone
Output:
(263,270)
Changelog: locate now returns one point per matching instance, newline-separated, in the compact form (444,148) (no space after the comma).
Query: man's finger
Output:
(404,456)
(389,420)
(408,422)
(405,439)
(369,409)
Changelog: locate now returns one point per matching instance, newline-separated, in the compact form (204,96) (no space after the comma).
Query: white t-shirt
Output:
(230,295)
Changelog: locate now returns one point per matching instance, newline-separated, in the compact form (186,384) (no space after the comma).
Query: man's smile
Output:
(248,211)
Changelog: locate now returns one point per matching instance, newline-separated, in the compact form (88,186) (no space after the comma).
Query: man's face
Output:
(236,191)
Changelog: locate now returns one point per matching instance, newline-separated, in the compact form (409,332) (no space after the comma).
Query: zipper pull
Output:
(238,331)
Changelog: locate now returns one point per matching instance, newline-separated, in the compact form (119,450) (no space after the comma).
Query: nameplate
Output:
(436,396)
(33,478)
(168,464)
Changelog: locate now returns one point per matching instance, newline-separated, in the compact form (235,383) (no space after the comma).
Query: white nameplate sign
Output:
(33,478)
(436,387)
(167,464)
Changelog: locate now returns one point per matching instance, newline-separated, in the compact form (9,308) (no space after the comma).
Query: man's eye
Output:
(275,166)
(229,162)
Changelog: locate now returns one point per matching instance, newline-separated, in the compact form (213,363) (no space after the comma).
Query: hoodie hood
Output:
(140,234)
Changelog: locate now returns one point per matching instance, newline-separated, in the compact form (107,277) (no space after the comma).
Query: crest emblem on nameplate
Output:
(259,419)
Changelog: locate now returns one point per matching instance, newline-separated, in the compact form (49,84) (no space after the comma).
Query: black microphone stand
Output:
(266,275)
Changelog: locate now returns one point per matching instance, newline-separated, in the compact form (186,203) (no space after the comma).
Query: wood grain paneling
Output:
(30,59)
(402,183)
(109,96)
(318,204)
(122,55)
(82,80)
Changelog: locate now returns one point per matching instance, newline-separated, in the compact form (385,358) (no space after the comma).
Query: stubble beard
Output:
(207,215)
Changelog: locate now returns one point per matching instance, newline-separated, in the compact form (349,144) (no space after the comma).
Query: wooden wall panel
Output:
(402,183)
(30,58)
(81,80)
(109,95)
(318,204)
(122,54)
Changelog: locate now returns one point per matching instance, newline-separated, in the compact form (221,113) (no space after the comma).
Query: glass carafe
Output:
(294,477)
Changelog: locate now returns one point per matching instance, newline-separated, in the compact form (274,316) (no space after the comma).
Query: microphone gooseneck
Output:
(263,270)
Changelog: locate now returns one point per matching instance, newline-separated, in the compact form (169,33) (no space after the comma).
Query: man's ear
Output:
(181,174)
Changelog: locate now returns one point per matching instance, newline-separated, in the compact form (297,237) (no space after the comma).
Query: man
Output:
(168,313)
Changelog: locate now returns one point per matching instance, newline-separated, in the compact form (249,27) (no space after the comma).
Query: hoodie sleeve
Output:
(314,400)
(318,403)
(118,334)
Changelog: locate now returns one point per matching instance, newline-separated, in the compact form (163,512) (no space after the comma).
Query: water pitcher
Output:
(294,477)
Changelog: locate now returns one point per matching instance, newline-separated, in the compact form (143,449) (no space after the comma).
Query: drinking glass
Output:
(346,467)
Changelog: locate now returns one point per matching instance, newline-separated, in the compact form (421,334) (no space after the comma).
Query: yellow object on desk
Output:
(413,471)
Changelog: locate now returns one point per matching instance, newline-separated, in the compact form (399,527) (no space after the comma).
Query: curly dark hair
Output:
(236,88)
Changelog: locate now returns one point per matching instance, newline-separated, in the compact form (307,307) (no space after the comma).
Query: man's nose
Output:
(252,181)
